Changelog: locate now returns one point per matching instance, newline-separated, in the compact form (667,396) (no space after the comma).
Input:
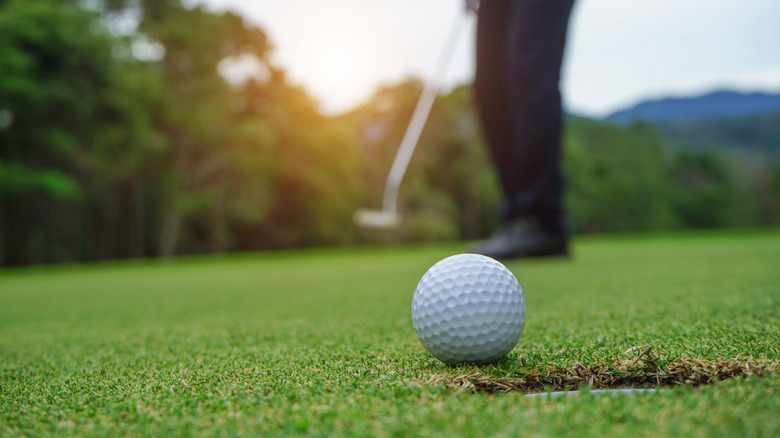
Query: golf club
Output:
(388,216)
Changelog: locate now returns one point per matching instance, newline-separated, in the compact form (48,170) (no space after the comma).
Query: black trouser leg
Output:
(519,51)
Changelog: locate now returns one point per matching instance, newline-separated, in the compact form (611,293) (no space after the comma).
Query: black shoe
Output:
(523,238)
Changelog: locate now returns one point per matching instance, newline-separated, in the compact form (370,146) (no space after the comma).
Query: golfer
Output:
(520,46)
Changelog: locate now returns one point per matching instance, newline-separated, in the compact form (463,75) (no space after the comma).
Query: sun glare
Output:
(338,66)
(338,69)
(335,54)
(342,50)
(336,72)
(333,72)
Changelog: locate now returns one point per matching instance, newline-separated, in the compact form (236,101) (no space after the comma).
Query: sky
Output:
(619,52)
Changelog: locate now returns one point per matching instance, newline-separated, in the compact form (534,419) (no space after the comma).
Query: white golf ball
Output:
(468,308)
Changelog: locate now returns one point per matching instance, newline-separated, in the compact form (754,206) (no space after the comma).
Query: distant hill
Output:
(747,122)
(716,105)
(757,135)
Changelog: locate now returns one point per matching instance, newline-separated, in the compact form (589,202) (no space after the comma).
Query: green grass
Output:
(321,343)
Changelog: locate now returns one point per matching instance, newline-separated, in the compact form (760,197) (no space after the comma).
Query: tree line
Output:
(120,137)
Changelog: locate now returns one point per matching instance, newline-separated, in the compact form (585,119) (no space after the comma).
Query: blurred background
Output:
(153,128)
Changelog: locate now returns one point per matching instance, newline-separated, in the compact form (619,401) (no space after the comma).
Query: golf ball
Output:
(468,308)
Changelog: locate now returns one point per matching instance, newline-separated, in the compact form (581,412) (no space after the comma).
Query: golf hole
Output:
(647,373)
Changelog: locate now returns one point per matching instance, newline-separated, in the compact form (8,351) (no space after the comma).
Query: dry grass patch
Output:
(646,371)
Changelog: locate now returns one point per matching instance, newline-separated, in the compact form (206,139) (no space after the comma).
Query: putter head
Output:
(378,219)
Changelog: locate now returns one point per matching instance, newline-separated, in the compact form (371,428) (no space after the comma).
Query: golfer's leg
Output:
(536,35)
(490,85)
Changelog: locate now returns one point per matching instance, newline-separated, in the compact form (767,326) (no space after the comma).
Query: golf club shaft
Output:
(419,117)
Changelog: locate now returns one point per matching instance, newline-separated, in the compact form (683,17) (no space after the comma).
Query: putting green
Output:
(320,342)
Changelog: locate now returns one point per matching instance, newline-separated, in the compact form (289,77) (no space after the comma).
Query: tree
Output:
(705,193)
(65,142)
(217,165)
(616,178)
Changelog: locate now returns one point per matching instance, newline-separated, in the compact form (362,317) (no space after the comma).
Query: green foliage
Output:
(616,178)
(628,179)
(456,161)
(314,188)
(217,165)
(54,75)
(168,157)
(757,135)
(70,106)
(705,196)
(121,138)
(16,179)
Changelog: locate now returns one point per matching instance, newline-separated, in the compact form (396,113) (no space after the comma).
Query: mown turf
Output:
(321,343)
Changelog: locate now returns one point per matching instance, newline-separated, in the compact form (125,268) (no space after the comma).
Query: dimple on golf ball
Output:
(468,308)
